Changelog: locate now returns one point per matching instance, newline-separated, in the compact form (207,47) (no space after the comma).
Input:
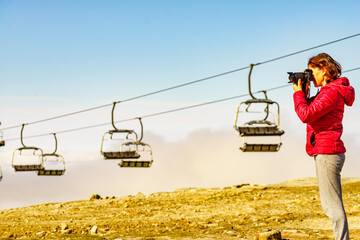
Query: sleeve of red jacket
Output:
(321,105)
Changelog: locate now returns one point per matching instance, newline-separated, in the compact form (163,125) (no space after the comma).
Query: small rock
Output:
(95,196)
(94,230)
(40,234)
(64,226)
(9,235)
(242,185)
(272,235)
(67,231)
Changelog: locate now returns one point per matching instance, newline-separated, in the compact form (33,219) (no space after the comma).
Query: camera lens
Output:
(294,77)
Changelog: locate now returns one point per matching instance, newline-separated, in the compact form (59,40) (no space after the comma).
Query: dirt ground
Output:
(236,212)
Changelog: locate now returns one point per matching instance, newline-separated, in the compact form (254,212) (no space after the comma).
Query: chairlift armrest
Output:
(259,101)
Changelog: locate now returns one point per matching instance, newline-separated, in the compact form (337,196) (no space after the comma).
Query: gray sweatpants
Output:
(328,168)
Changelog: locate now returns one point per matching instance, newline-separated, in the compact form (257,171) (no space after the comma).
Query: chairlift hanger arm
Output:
(249,79)
(113,122)
(54,153)
(112,116)
(142,129)
(21,135)
(249,83)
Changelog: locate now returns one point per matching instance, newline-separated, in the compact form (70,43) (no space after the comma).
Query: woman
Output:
(323,115)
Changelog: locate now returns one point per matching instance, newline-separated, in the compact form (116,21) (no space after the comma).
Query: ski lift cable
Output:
(312,48)
(161,113)
(59,116)
(184,84)
(350,70)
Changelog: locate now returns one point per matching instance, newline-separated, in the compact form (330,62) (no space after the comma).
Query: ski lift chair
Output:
(263,127)
(27,158)
(53,164)
(120,137)
(144,150)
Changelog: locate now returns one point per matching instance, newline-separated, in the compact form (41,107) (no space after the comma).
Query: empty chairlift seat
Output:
(120,155)
(53,165)
(260,147)
(262,131)
(145,159)
(117,144)
(27,159)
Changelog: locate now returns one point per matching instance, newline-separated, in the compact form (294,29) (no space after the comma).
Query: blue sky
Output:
(58,57)
(94,49)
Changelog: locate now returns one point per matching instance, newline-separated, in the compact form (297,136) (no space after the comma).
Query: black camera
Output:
(306,76)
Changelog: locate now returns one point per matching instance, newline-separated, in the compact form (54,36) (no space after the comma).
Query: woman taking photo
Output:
(323,115)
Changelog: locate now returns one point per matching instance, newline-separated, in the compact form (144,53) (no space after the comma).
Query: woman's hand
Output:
(298,86)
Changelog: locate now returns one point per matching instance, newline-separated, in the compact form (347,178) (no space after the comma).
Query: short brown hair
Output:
(324,61)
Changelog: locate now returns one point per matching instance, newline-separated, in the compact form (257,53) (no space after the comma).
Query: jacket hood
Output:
(343,86)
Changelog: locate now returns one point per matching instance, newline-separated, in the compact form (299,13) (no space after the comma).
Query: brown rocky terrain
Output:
(235,212)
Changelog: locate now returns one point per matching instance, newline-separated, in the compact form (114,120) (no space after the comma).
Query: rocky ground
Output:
(235,212)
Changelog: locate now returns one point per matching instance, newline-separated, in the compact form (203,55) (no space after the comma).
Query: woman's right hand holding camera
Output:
(297,86)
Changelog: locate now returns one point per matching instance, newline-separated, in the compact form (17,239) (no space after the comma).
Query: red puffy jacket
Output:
(323,115)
